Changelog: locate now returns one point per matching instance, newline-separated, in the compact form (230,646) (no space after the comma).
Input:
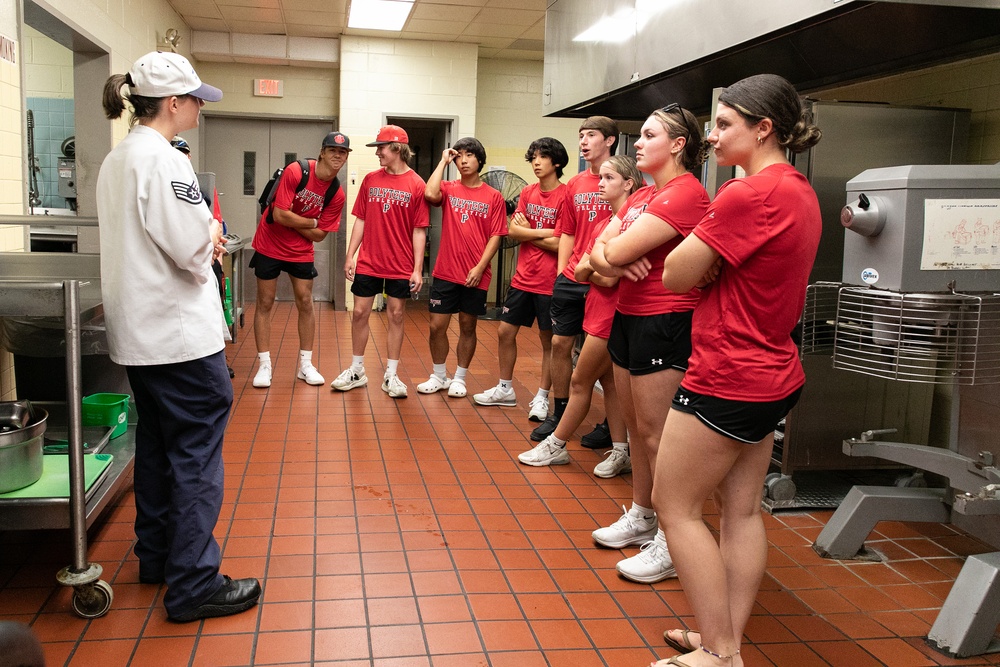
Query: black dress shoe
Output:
(545,429)
(599,438)
(236,595)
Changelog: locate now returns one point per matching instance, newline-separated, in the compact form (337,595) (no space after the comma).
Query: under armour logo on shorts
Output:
(435,302)
(682,399)
(657,362)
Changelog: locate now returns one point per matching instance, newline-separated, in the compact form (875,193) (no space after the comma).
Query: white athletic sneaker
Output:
(263,377)
(349,379)
(538,409)
(457,389)
(393,386)
(545,453)
(434,384)
(496,396)
(650,565)
(309,373)
(616,462)
(626,531)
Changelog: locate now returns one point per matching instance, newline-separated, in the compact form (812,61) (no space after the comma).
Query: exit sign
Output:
(268,87)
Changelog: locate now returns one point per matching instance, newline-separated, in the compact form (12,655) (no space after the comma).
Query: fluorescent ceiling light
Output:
(379,14)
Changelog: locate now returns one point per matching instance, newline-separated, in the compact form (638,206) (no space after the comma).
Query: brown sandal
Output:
(671,661)
(683,646)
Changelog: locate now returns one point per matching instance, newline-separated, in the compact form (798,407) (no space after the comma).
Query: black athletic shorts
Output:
(449,298)
(743,421)
(647,344)
(371,286)
(568,300)
(268,268)
(523,308)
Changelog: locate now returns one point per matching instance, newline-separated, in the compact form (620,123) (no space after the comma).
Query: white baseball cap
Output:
(160,74)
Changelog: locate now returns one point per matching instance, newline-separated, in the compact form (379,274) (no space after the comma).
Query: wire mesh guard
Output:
(943,338)
(819,317)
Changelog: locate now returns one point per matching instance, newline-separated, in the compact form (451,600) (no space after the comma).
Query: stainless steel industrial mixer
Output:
(921,303)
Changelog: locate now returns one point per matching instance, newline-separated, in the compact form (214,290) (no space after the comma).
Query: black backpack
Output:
(267,194)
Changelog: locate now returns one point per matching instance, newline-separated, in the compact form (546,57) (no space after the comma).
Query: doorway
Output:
(243,153)
(428,138)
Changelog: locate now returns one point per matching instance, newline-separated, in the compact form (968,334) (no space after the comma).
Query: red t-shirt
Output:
(536,268)
(279,242)
(589,215)
(767,228)
(469,218)
(680,203)
(599,309)
(392,206)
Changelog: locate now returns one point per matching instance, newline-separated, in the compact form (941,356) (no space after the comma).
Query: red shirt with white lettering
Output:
(589,215)
(536,268)
(680,203)
(767,229)
(470,217)
(392,206)
(279,242)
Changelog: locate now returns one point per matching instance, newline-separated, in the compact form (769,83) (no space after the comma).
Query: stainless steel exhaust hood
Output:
(622,58)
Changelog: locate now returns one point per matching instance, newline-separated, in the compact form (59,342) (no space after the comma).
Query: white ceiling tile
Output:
(438,12)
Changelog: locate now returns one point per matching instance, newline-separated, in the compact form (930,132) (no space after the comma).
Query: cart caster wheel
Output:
(93,600)
(779,487)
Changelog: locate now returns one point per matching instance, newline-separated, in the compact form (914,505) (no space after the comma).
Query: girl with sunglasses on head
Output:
(752,254)
(650,334)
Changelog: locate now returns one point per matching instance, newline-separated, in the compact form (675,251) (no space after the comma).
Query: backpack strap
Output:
(304,181)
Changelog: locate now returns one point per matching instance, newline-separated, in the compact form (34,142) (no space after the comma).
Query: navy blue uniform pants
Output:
(183,409)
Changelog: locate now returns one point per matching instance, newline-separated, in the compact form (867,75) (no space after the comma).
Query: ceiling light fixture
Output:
(379,14)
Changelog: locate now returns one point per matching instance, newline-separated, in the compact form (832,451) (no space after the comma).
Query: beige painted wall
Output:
(508,110)
(48,66)
(970,84)
(308,91)
(11,198)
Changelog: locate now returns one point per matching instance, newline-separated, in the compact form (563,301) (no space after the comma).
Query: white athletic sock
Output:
(358,362)
(557,441)
(264,358)
(542,393)
(305,357)
(391,366)
(621,446)
(641,512)
(440,371)
(506,384)
(460,373)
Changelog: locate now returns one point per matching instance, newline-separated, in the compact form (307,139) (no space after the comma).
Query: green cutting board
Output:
(54,482)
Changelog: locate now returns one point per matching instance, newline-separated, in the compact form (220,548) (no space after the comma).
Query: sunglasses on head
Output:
(673,106)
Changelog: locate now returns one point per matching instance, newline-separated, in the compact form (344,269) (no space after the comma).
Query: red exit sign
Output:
(268,87)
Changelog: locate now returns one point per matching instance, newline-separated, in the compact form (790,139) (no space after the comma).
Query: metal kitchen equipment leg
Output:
(844,535)
(969,617)
(91,596)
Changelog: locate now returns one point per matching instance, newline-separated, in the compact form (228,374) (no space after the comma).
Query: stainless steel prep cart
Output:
(67,286)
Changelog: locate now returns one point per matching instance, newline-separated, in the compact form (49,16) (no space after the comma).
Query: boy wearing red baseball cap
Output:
(389,236)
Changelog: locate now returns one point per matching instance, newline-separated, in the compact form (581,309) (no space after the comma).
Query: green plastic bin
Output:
(106,410)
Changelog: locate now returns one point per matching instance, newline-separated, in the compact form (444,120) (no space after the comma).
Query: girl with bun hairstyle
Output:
(751,256)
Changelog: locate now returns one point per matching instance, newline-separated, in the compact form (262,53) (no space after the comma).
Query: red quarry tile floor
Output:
(405,534)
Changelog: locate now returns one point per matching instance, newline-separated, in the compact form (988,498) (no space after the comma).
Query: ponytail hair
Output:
(114,103)
(682,123)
